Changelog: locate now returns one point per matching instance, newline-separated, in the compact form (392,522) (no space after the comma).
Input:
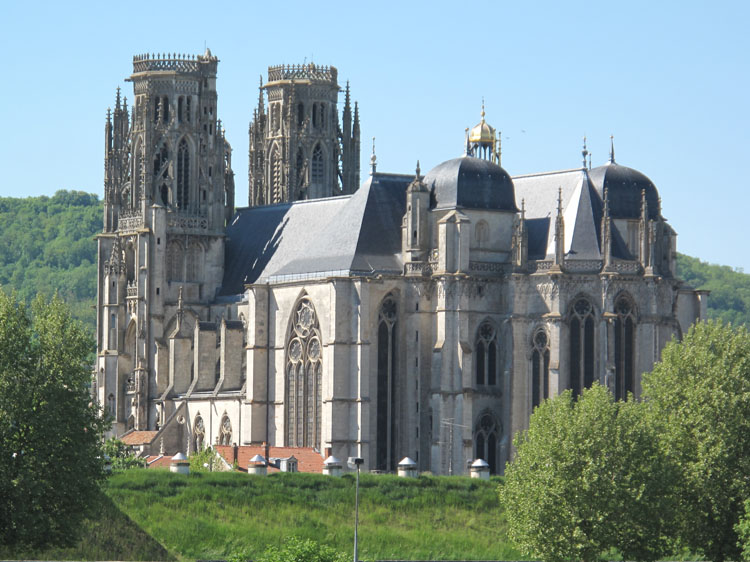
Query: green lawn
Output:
(215,515)
(157,515)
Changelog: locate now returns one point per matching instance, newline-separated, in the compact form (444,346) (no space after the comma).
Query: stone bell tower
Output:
(169,192)
(298,148)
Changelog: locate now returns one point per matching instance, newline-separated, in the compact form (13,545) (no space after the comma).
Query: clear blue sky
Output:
(670,81)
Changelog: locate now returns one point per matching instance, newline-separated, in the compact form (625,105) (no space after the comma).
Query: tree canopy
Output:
(698,400)
(47,245)
(50,432)
(588,477)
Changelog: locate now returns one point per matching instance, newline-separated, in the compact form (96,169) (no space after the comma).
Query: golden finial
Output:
(482,114)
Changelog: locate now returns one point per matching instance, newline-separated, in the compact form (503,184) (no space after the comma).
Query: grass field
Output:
(158,515)
(216,515)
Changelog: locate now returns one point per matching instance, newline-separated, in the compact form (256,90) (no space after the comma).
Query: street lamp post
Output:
(356,462)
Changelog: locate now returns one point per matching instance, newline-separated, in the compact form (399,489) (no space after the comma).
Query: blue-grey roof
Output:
(582,211)
(471,183)
(353,234)
(624,186)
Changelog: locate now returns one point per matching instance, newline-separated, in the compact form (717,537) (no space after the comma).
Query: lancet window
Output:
(624,347)
(581,326)
(387,379)
(539,367)
(225,431)
(275,170)
(486,352)
(174,261)
(487,434)
(318,169)
(193,262)
(304,372)
(183,175)
(199,433)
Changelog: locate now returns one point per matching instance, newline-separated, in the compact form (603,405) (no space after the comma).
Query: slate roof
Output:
(582,210)
(353,234)
(625,186)
(360,234)
(471,183)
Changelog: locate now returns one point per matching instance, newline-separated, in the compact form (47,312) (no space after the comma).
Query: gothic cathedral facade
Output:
(419,315)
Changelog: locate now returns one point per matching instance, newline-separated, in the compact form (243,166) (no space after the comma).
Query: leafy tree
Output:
(699,402)
(207,456)
(743,532)
(50,432)
(121,456)
(296,549)
(588,476)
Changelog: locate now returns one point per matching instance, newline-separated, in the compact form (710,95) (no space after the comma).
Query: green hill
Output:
(730,289)
(215,515)
(47,244)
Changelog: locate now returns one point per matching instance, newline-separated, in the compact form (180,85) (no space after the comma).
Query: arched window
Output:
(487,434)
(225,431)
(486,364)
(111,406)
(180,108)
(187,109)
(156,110)
(304,371)
(131,422)
(386,401)
(317,168)
(624,347)
(300,113)
(481,234)
(183,175)
(275,170)
(199,433)
(539,368)
(174,261)
(161,161)
(581,345)
(300,168)
(193,262)
(165,109)
(315,115)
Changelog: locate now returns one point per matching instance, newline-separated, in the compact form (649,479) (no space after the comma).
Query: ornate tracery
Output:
(487,432)
(539,367)
(225,431)
(304,401)
(199,433)
(581,325)
(386,407)
(486,364)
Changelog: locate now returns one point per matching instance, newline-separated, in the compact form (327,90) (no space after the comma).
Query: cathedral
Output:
(420,315)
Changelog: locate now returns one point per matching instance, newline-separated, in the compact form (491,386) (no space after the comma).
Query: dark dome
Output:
(624,186)
(471,183)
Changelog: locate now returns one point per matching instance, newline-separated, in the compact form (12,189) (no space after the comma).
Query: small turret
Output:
(415,230)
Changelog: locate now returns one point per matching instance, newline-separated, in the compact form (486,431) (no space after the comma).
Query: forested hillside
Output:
(47,244)
(730,289)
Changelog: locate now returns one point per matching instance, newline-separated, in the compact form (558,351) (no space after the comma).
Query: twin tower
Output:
(170,149)
(169,194)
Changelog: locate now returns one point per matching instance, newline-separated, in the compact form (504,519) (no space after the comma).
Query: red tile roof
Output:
(158,461)
(138,437)
(308,460)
